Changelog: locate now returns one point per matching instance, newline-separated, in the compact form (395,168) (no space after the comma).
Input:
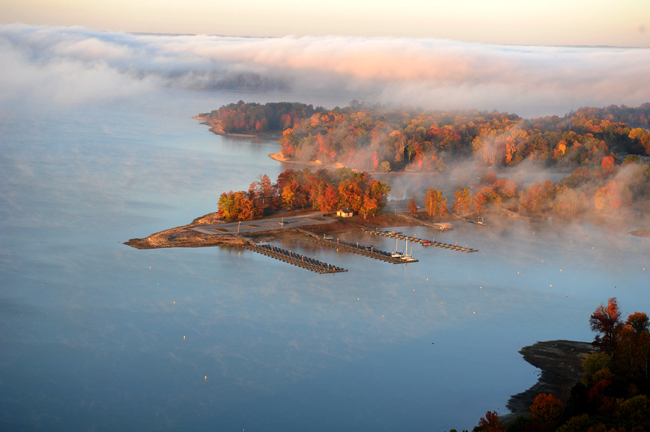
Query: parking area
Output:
(261,225)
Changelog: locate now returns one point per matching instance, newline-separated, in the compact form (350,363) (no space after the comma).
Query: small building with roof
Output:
(344,213)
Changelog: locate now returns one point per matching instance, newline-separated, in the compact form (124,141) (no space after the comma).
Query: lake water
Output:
(91,338)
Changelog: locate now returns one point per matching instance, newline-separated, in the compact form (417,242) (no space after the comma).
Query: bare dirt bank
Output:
(561,364)
(185,236)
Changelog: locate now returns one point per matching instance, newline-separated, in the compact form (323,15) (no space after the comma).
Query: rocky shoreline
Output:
(561,364)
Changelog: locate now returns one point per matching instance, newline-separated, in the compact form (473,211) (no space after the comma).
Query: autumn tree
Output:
(633,353)
(606,322)
(265,189)
(435,203)
(463,201)
(412,207)
(607,163)
(369,204)
(489,178)
(592,365)
(546,411)
(491,423)
(480,203)
(227,208)
(328,199)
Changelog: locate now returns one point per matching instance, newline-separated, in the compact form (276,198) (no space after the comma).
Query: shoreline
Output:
(215,128)
(278,157)
(560,362)
(188,236)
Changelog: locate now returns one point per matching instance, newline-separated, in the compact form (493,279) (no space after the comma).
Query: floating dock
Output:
(423,242)
(368,251)
(294,258)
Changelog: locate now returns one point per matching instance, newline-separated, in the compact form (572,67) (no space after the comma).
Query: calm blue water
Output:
(91,338)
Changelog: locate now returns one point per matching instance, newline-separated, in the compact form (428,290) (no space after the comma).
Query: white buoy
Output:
(183,337)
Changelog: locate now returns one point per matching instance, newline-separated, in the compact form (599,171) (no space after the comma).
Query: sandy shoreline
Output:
(280,158)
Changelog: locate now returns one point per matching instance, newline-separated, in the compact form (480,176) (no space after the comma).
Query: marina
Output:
(423,242)
(368,251)
(294,259)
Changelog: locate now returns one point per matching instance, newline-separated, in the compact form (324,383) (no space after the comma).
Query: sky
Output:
(518,22)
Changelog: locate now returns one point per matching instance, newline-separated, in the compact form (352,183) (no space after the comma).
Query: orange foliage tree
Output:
(435,203)
(546,411)
(463,201)
(480,203)
(412,207)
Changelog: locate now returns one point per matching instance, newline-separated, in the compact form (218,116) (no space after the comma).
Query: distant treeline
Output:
(607,188)
(613,393)
(247,118)
(373,138)
(322,190)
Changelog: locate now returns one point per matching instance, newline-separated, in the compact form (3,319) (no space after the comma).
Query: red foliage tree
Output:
(606,321)
(491,422)
(607,162)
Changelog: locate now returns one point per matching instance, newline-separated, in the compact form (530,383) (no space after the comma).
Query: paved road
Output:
(264,224)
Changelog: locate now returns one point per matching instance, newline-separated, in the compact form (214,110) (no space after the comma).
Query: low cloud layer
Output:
(76,65)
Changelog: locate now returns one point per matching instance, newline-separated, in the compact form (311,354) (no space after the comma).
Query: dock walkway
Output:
(294,258)
(423,242)
(368,251)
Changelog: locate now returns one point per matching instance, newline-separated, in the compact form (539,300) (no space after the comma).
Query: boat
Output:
(406,256)
(396,254)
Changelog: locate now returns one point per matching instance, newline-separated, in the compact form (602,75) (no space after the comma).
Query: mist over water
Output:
(73,65)
(91,337)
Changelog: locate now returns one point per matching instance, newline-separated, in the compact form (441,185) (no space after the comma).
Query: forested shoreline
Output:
(373,138)
(612,395)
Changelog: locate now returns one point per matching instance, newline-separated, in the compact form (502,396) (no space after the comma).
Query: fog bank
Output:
(73,65)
